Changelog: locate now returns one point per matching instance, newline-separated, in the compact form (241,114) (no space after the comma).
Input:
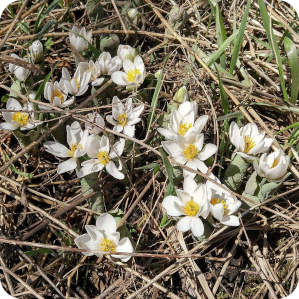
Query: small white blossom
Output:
(104,237)
(94,68)
(79,43)
(76,139)
(249,141)
(20,72)
(36,51)
(96,119)
(273,167)
(98,149)
(56,94)
(182,122)
(191,202)
(109,65)
(126,52)
(19,119)
(134,15)
(124,117)
(222,203)
(190,151)
(133,75)
(78,85)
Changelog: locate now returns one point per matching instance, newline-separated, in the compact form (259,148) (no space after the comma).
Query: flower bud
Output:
(36,51)
(157,74)
(134,15)
(181,95)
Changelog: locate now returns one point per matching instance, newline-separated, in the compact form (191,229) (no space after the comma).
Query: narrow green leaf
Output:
(47,27)
(291,50)
(42,87)
(24,26)
(220,31)
(39,19)
(223,95)
(239,39)
(150,166)
(167,165)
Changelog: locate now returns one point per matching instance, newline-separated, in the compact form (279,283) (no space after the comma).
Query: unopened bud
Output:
(134,15)
(36,51)
(181,95)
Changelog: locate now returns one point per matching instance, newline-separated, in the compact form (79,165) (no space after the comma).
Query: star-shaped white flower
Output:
(133,75)
(94,68)
(104,237)
(20,118)
(183,121)
(97,121)
(222,203)
(109,65)
(249,141)
(98,149)
(191,203)
(191,152)
(273,167)
(76,139)
(124,117)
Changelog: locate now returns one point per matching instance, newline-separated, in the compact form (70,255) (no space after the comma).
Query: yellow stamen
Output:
(107,245)
(21,118)
(73,148)
(215,201)
(122,119)
(191,151)
(191,208)
(249,144)
(275,163)
(132,74)
(57,94)
(104,158)
(184,129)
(78,83)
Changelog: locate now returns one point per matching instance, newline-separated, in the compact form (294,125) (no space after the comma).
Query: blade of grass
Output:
(239,39)
(220,31)
(223,95)
(168,166)
(274,45)
(293,60)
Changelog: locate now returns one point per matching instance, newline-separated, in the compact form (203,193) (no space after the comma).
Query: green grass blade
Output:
(222,48)
(221,33)
(39,19)
(293,59)
(239,40)
(167,165)
(223,95)
(274,45)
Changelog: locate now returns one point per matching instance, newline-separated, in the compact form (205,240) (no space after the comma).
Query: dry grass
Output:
(43,212)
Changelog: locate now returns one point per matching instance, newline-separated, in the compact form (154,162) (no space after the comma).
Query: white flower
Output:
(79,43)
(191,202)
(222,203)
(97,119)
(76,139)
(36,51)
(98,149)
(248,141)
(20,72)
(182,122)
(190,151)
(133,15)
(124,117)
(78,85)
(181,95)
(20,118)
(94,68)
(56,94)
(126,52)
(133,75)
(273,167)
(104,237)
(109,65)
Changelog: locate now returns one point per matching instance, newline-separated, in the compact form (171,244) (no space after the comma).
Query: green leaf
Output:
(94,11)
(24,26)
(220,32)
(294,136)
(47,27)
(49,43)
(39,19)
(223,95)
(222,48)
(4,99)
(167,165)
(274,46)
(42,87)
(291,50)
(239,39)
(150,166)
(230,116)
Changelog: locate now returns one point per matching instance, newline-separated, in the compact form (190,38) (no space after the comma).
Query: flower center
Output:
(73,148)
(191,151)
(107,245)
(57,94)
(249,144)
(191,208)
(20,118)
(184,129)
(275,163)
(78,83)
(132,74)
(215,201)
(104,158)
(122,119)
